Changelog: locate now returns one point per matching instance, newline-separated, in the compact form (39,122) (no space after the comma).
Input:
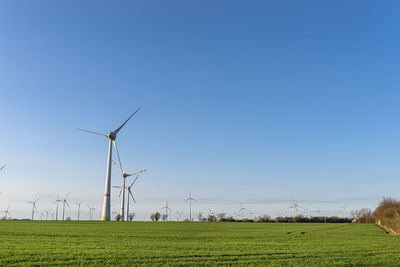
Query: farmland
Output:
(179,243)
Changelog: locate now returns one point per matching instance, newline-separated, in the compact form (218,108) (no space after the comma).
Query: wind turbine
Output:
(124,176)
(47,213)
(56,202)
(6,212)
(79,208)
(130,193)
(179,214)
(343,208)
(294,206)
(33,206)
(91,210)
(242,209)
(64,201)
(106,213)
(166,210)
(190,205)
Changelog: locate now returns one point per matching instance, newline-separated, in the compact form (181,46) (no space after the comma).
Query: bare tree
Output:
(131,215)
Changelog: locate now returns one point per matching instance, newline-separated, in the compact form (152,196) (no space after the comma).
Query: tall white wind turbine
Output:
(124,176)
(56,202)
(33,206)
(190,206)
(106,213)
(64,201)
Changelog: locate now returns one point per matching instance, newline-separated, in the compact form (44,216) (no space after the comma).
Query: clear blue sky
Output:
(250,102)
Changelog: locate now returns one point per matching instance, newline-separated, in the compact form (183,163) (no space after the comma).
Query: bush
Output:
(264,218)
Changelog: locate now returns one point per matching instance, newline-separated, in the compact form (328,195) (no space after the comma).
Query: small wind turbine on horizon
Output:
(123,187)
(47,213)
(190,199)
(179,214)
(242,209)
(106,212)
(91,210)
(6,212)
(34,207)
(343,209)
(294,206)
(166,210)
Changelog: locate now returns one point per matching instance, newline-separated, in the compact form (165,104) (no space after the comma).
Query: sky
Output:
(252,102)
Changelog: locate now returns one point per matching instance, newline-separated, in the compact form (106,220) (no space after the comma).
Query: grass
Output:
(177,243)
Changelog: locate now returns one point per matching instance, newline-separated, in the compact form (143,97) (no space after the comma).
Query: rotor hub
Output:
(112,136)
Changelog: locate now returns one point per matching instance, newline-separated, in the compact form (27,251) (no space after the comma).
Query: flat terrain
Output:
(179,243)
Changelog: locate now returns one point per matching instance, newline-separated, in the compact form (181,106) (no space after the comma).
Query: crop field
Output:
(179,243)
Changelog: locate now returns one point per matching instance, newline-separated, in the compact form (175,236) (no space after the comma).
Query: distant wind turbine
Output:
(166,210)
(47,213)
(6,212)
(91,210)
(122,190)
(190,199)
(106,212)
(294,206)
(34,207)
(242,209)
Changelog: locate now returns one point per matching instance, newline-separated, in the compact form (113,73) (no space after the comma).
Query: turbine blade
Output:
(116,186)
(92,132)
(120,127)
(133,173)
(134,180)
(118,167)
(2,167)
(132,196)
(119,159)
(67,195)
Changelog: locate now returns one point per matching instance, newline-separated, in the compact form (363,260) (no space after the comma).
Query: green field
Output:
(179,243)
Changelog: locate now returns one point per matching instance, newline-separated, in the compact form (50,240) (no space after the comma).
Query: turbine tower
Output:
(124,176)
(79,208)
(64,201)
(106,213)
(190,206)
(33,206)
